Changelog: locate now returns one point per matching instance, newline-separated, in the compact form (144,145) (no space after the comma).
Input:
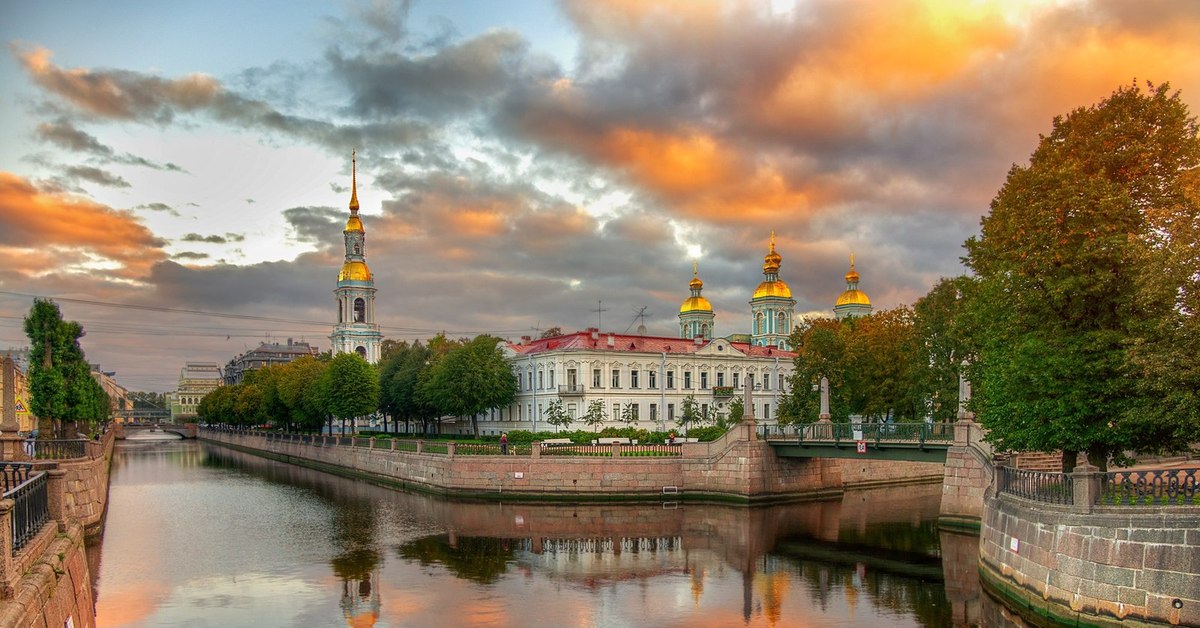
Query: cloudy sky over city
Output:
(518,161)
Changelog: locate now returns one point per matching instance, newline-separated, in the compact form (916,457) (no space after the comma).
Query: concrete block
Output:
(1170,583)
(1172,558)
(1170,537)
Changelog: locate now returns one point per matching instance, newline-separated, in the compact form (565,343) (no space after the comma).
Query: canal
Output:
(198,535)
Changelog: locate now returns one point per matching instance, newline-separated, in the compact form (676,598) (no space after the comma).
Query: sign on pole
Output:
(862,446)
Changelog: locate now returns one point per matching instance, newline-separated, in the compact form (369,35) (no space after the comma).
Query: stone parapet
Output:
(1100,565)
(54,589)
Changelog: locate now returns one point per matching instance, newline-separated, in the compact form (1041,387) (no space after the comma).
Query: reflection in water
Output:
(203,535)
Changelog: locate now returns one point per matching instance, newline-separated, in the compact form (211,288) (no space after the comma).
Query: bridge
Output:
(917,442)
(143,415)
(124,430)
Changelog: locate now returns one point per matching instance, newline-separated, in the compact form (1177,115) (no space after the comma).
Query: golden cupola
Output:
(772,286)
(695,303)
(852,301)
(355,267)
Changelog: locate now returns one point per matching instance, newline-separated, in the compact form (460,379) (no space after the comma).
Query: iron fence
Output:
(1041,486)
(13,474)
(1151,487)
(59,449)
(31,509)
(849,433)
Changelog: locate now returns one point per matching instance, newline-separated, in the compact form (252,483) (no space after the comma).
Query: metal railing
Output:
(13,474)
(58,449)
(1151,487)
(1041,486)
(849,433)
(31,508)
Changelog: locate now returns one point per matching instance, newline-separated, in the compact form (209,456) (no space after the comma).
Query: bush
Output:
(706,433)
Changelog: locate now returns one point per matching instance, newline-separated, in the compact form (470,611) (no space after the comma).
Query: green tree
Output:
(737,409)
(879,367)
(556,416)
(63,391)
(689,413)
(471,379)
(943,343)
(299,390)
(595,414)
(1064,264)
(349,387)
(820,352)
(629,414)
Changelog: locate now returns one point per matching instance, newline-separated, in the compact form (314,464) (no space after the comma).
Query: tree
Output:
(63,391)
(820,352)
(556,416)
(349,387)
(629,414)
(737,409)
(595,414)
(943,343)
(879,366)
(689,413)
(1069,312)
(472,378)
(299,390)
(552,332)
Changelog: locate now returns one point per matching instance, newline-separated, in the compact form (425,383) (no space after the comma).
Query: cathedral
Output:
(356,330)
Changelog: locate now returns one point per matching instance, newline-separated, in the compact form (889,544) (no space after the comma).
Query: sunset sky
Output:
(518,161)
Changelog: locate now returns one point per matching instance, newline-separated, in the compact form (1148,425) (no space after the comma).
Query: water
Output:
(204,536)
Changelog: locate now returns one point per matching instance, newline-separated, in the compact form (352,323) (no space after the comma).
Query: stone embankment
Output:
(737,468)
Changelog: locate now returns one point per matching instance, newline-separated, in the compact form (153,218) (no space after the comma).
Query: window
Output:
(539,411)
(636,410)
(520,412)
(541,379)
(760,324)
(720,378)
(360,310)
(596,378)
(766,411)
(654,412)
(736,375)
(616,378)
(670,380)
(687,379)
(704,380)
(529,380)
(551,373)
(704,410)
(616,415)
(571,410)
(781,323)
(670,412)
(766,381)
(704,330)
(652,379)
(633,378)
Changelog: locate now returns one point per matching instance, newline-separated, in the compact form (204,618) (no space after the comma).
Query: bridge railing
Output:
(849,433)
(31,502)
(58,449)
(1040,486)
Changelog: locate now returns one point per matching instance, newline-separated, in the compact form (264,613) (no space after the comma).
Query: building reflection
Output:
(872,551)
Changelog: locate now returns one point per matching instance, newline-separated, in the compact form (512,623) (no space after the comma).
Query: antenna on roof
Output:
(639,316)
(598,311)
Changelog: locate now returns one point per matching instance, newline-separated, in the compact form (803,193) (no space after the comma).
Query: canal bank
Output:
(737,468)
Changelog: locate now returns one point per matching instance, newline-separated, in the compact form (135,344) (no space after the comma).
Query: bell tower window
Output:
(360,310)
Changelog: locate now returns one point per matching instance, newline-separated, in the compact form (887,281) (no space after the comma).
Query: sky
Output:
(176,175)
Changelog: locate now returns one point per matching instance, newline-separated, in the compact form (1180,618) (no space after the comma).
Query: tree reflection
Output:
(475,558)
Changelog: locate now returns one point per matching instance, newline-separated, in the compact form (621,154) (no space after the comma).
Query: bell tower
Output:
(355,293)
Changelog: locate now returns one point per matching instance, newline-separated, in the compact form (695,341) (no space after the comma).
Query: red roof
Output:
(583,341)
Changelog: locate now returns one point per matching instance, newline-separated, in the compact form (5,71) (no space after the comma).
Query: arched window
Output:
(781,324)
(704,330)
(358,249)
(361,350)
(360,310)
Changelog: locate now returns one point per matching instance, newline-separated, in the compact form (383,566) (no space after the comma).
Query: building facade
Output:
(196,379)
(14,395)
(852,302)
(118,395)
(266,354)
(356,330)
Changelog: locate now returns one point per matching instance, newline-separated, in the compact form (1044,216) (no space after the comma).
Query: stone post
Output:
(748,408)
(1086,484)
(420,445)
(616,450)
(56,487)
(450,447)
(537,449)
(10,441)
(393,448)
(824,416)
(7,566)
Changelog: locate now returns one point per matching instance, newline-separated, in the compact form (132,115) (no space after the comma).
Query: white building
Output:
(196,379)
(356,330)
(651,376)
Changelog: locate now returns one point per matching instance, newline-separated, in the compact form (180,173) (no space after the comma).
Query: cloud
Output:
(190,255)
(158,207)
(211,239)
(79,233)
(63,133)
(132,96)
(96,175)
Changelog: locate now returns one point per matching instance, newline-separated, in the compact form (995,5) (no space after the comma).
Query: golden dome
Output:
(772,259)
(354,224)
(695,283)
(853,297)
(695,304)
(354,271)
(773,289)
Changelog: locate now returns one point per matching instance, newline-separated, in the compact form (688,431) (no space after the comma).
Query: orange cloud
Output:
(53,232)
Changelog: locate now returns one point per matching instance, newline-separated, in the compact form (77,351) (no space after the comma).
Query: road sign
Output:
(19,406)
(862,447)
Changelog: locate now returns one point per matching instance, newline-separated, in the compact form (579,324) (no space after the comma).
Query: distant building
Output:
(267,354)
(14,394)
(196,379)
(852,301)
(118,395)
(356,331)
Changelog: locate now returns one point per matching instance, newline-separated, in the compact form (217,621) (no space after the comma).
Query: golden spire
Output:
(852,276)
(695,283)
(771,259)
(353,182)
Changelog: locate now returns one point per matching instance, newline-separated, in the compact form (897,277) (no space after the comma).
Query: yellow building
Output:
(14,397)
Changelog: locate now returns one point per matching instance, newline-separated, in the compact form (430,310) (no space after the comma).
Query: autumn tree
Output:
(1086,265)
